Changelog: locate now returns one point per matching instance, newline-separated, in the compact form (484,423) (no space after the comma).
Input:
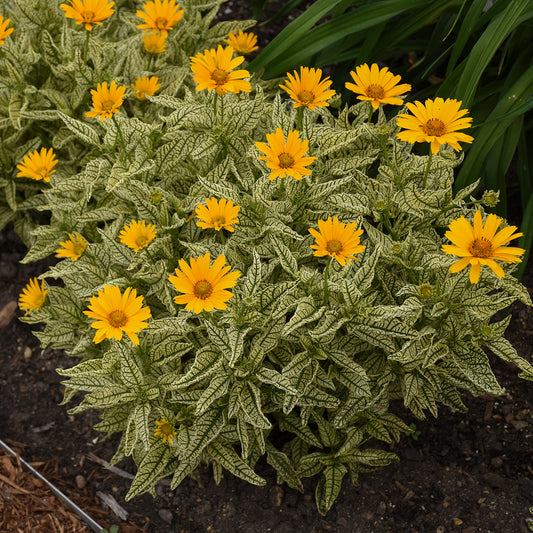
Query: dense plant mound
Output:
(244,275)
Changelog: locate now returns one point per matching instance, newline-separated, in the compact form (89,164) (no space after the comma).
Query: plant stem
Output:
(281,188)
(215,102)
(222,238)
(370,113)
(86,50)
(121,138)
(299,118)
(424,181)
(326,274)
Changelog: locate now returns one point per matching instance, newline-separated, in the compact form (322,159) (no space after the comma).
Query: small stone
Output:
(342,522)
(519,424)
(496,462)
(80,481)
(522,415)
(381,508)
(440,529)
(27,352)
(276,496)
(8,313)
(165,515)
(457,521)
(494,480)
(367,515)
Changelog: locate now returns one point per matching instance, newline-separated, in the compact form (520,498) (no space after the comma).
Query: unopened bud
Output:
(490,198)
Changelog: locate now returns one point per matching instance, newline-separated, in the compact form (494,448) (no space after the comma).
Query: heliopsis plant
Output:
(106,100)
(160,16)
(73,247)
(377,85)
(145,86)
(242,42)
(436,122)
(33,296)
(165,430)
(213,69)
(88,12)
(38,165)
(283,339)
(138,234)
(204,285)
(286,157)
(217,214)
(154,43)
(308,89)
(117,313)
(338,240)
(4,30)
(481,244)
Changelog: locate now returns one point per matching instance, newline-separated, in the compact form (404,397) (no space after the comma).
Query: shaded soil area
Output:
(464,473)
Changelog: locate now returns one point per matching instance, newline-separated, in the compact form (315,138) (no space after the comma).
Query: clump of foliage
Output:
(264,276)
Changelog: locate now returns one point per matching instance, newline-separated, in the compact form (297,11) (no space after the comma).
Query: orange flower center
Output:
(434,127)
(203,289)
(166,429)
(161,23)
(141,241)
(43,171)
(219,220)
(306,97)
(285,160)
(77,248)
(107,105)
(374,90)
(87,16)
(219,76)
(480,248)
(117,319)
(334,246)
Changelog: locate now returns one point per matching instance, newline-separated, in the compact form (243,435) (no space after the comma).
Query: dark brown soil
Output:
(465,473)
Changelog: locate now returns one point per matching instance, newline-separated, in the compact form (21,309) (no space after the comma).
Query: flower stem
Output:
(370,113)
(326,274)
(121,138)
(281,189)
(424,181)
(299,118)
(222,238)
(86,50)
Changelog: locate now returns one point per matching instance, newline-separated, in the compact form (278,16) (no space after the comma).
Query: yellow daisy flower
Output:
(165,430)
(286,157)
(204,284)
(436,122)
(242,42)
(117,313)
(73,248)
(379,86)
(88,12)
(154,43)
(145,86)
(307,89)
(106,101)
(479,245)
(217,215)
(337,239)
(137,235)
(160,16)
(213,69)
(4,30)
(38,165)
(32,296)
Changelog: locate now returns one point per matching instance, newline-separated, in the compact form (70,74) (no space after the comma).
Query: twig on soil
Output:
(105,464)
(113,505)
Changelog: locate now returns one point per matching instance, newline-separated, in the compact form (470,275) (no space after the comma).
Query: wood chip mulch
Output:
(27,504)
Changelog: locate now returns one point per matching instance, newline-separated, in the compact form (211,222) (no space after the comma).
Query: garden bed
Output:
(466,474)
